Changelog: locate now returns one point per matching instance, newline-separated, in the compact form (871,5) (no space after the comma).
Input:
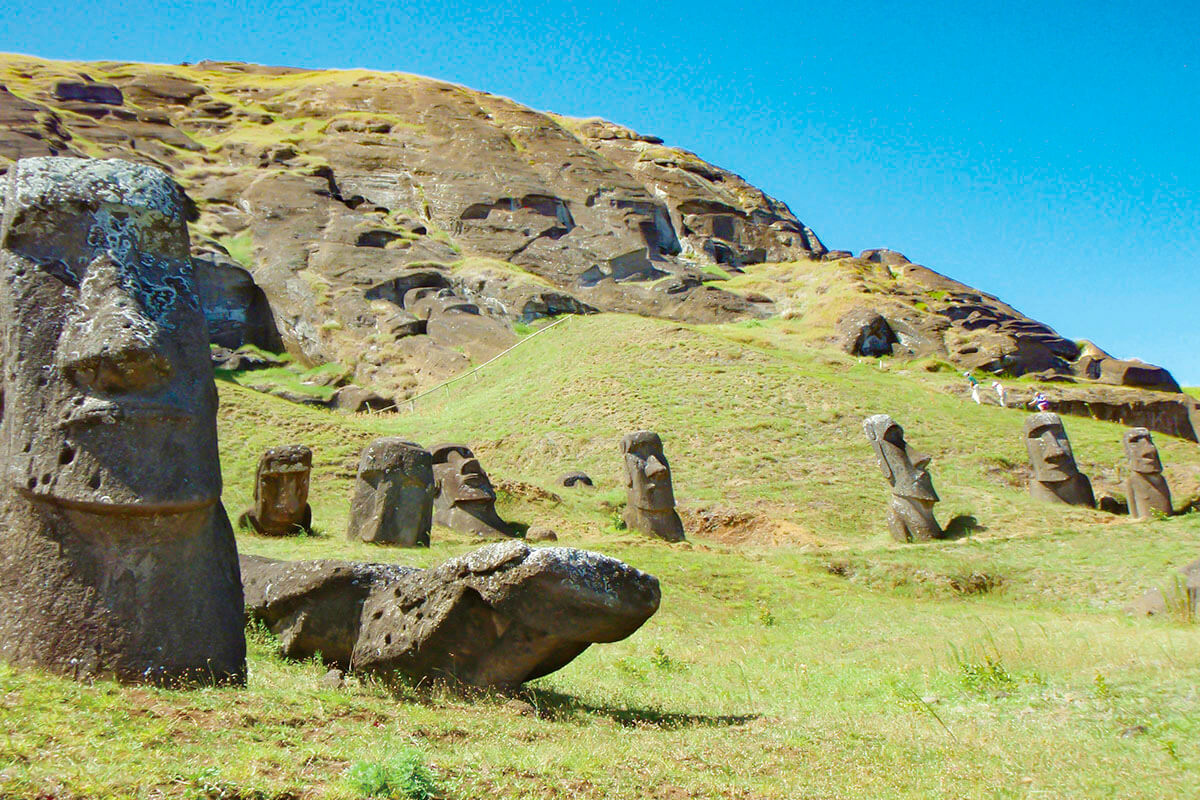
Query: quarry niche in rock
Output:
(497,616)
(116,556)
(393,494)
(910,514)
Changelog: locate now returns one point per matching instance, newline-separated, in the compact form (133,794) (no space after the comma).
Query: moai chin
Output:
(463,497)
(1146,487)
(393,494)
(1056,478)
(649,494)
(910,514)
(281,492)
(116,556)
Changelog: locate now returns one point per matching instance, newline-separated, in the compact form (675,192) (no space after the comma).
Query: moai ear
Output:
(628,472)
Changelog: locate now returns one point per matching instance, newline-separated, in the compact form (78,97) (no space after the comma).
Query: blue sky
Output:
(1047,153)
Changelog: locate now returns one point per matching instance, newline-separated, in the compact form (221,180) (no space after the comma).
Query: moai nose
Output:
(114,347)
(918,459)
(655,468)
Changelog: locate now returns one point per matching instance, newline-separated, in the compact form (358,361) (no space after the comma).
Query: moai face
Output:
(464,499)
(903,466)
(647,473)
(393,496)
(1049,449)
(107,376)
(1141,452)
(281,488)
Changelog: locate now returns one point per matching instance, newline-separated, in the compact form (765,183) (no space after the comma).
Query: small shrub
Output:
(765,616)
(404,776)
(663,661)
(523,328)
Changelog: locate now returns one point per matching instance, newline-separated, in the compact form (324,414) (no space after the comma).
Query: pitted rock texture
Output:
(497,616)
(393,494)
(116,556)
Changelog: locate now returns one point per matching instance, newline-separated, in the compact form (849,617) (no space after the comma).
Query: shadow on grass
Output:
(562,707)
(963,525)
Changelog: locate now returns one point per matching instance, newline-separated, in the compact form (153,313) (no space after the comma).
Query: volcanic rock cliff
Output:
(400,224)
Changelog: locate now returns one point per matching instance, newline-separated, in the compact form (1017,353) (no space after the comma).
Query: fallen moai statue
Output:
(498,616)
(116,556)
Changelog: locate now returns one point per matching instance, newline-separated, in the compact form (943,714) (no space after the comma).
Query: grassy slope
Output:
(765,674)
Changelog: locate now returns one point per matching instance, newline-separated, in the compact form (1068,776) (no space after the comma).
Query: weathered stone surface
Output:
(356,400)
(863,332)
(88,92)
(1145,488)
(464,499)
(116,557)
(1056,478)
(1097,365)
(281,492)
(910,514)
(575,479)
(235,308)
(497,616)
(393,494)
(541,533)
(649,492)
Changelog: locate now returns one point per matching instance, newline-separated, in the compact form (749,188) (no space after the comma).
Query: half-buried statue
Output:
(910,515)
(393,494)
(1056,478)
(463,497)
(281,492)
(116,556)
(1146,487)
(649,494)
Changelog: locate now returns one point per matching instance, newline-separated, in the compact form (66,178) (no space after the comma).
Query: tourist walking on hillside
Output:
(1040,402)
(974,388)
(1000,395)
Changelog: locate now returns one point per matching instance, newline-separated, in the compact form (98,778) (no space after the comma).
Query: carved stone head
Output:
(650,495)
(393,494)
(463,495)
(106,366)
(1049,449)
(647,472)
(116,557)
(281,489)
(1141,452)
(904,467)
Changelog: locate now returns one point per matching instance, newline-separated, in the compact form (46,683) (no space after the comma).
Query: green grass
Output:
(798,653)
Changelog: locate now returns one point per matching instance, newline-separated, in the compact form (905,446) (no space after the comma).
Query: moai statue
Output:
(910,515)
(463,497)
(281,492)
(1056,478)
(1146,487)
(649,495)
(116,556)
(393,494)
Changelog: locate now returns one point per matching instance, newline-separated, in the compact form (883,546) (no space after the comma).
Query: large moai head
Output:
(393,494)
(1056,477)
(281,491)
(650,495)
(116,557)
(464,499)
(106,366)
(910,516)
(1146,487)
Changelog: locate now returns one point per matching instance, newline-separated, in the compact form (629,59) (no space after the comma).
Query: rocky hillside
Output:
(401,225)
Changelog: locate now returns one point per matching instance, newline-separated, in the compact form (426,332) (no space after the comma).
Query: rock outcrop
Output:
(498,616)
(339,192)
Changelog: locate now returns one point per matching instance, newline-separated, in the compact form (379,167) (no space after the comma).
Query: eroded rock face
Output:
(497,616)
(116,557)
(910,515)
(649,492)
(1056,478)
(393,494)
(281,491)
(463,497)
(1145,488)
